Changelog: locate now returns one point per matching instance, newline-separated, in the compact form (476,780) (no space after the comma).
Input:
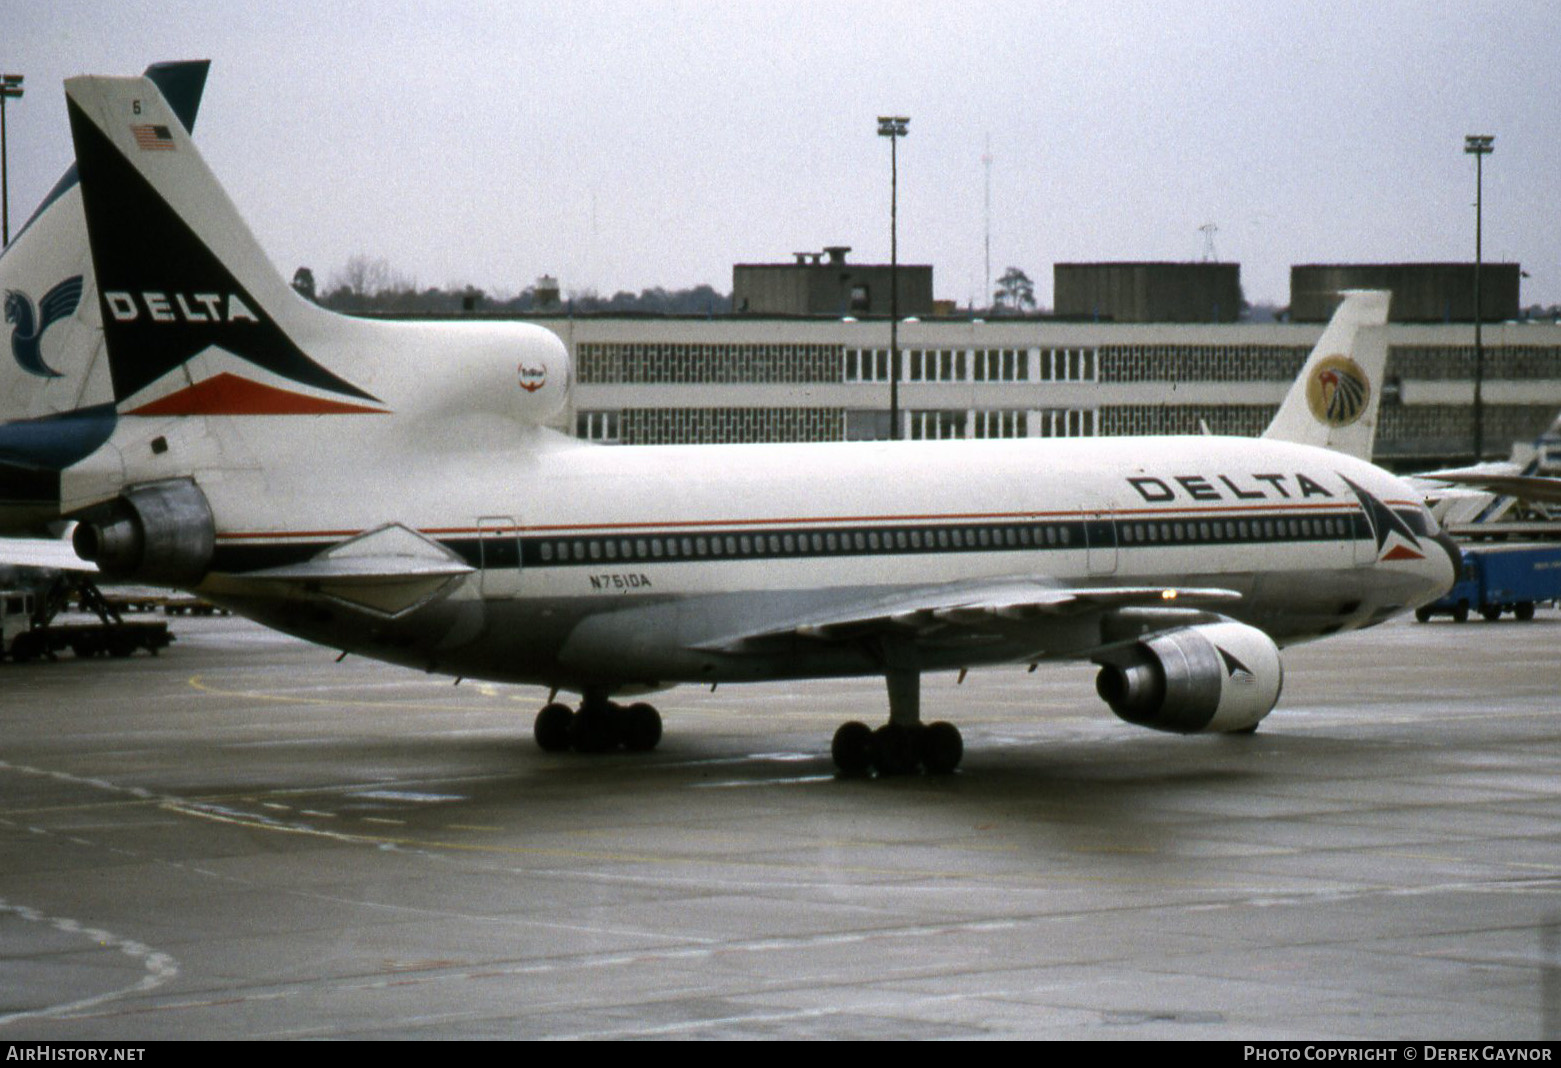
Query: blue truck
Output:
(1501,578)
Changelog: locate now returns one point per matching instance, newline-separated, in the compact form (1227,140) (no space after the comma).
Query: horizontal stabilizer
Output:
(55,554)
(388,571)
(384,554)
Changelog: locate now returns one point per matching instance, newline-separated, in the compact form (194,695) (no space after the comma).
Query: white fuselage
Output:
(618,566)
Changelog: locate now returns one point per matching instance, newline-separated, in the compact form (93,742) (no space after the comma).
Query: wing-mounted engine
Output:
(160,533)
(1208,678)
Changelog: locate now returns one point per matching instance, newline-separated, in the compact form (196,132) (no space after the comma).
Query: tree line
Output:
(371,284)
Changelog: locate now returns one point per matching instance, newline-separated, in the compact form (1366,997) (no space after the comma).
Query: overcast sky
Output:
(620,145)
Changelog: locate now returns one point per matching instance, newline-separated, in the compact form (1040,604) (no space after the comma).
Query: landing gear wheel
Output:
(551,728)
(594,728)
(640,728)
(853,748)
(942,748)
(895,748)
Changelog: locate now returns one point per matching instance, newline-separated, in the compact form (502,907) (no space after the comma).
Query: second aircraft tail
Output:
(1334,401)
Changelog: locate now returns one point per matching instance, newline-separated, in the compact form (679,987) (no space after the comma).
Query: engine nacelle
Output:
(1208,678)
(160,533)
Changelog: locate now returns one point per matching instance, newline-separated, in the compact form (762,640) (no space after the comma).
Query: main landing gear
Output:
(600,726)
(904,744)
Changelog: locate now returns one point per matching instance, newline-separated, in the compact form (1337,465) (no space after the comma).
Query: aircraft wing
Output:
(56,554)
(1536,488)
(997,608)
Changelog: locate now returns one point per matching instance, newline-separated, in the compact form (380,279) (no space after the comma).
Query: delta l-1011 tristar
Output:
(390,489)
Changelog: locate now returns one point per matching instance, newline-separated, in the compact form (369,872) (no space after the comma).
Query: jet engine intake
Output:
(1209,678)
(161,533)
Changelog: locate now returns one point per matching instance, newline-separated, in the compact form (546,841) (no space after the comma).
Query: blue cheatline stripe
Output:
(54,442)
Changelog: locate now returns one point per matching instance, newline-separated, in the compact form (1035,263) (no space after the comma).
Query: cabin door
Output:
(498,549)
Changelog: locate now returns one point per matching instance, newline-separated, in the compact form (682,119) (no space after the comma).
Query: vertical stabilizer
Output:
(54,385)
(195,318)
(1334,401)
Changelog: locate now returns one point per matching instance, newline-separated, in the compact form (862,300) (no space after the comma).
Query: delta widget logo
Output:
(1338,391)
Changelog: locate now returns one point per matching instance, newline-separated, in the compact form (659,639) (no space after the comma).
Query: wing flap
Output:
(994,608)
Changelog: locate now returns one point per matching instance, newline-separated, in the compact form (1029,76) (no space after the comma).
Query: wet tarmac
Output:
(242,838)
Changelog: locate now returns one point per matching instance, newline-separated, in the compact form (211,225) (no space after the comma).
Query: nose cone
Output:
(1446,565)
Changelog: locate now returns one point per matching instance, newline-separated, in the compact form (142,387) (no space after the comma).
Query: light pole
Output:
(10,86)
(1479,146)
(893,127)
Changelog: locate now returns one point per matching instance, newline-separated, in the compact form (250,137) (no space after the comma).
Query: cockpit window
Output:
(1419,520)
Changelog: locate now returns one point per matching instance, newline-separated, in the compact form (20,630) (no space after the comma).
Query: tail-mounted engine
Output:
(160,533)
(515,370)
(1214,677)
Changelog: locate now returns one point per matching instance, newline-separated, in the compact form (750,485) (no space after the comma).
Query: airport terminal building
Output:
(1135,348)
(738,379)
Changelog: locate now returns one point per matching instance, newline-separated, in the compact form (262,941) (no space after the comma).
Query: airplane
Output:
(393,490)
(55,396)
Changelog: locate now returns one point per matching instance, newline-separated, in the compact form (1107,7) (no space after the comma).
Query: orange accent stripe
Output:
(228,394)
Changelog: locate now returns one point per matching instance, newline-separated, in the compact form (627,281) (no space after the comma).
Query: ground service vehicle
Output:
(1501,578)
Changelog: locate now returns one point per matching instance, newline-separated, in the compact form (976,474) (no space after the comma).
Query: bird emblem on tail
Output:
(1338,391)
(29,324)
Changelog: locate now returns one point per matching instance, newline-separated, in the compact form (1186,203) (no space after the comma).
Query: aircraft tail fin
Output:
(1335,398)
(196,319)
(54,391)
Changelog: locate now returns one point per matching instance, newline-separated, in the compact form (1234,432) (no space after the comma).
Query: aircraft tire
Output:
(551,728)
(852,748)
(594,729)
(895,750)
(640,728)
(942,748)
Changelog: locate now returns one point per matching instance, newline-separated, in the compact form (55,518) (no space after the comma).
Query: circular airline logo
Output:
(532,378)
(1338,391)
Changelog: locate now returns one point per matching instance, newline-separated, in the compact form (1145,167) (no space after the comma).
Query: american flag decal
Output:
(151,138)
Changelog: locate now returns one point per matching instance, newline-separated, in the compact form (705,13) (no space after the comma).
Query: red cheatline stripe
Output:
(228,394)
